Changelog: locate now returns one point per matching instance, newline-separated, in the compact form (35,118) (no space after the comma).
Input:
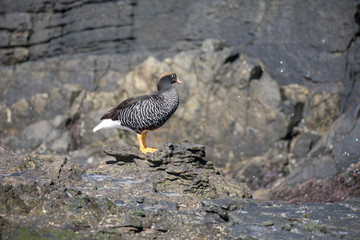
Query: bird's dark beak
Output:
(178,81)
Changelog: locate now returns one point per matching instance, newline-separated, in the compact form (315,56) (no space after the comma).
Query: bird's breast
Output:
(170,100)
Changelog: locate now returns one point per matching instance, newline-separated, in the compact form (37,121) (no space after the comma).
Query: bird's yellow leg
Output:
(142,144)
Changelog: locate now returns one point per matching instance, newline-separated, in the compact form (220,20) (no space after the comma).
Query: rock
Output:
(247,112)
(11,203)
(342,139)
(322,111)
(42,169)
(262,171)
(106,18)
(33,135)
(322,189)
(273,98)
(130,29)
(44,195)
(303,144)
(4,38)
(329,158)
(295,93)
(269,226)
(21,54)
(21,114)
(61,144)
(320,168)
(353,58)
(176,169)
(317,167)
(125,154)
(14,21)
(212,45)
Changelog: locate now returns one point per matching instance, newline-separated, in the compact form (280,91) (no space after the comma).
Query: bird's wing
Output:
(113,114)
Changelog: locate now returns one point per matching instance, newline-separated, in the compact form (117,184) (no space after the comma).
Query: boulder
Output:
(174,193)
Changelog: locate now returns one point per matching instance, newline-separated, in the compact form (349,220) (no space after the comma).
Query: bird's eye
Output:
(173,75)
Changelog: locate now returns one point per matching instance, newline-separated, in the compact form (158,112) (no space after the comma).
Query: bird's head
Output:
(166,80)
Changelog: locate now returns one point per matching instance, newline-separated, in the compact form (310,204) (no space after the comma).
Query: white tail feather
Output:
(107,123)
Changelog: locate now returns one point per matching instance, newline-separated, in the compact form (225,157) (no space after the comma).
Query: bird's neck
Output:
(169,93)
(165,86)
(164,90)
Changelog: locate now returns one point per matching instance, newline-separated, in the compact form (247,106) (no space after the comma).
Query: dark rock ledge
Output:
(174,170)
(174,193)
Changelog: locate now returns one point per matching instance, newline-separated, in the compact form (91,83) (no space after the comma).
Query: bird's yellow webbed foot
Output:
(146,150)
(142,144)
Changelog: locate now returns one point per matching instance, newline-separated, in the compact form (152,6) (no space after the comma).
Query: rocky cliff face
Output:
(306,43)
(270,87)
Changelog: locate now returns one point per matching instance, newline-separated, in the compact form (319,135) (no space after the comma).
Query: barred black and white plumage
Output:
(144,113)
(149,112)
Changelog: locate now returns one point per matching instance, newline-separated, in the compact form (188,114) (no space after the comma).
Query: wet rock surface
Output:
(173,193)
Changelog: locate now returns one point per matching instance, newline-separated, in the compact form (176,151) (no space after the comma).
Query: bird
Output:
(141,114)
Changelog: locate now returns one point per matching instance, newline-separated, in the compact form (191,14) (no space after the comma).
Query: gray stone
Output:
(253,27)
(19,38)
(28,6)
(47,26)
(212,45)
(352,89)
(14,21)
(6,73)
(21,114)
(4,38)
(32,136)
(321,111)
(303,144)
(85,38)
(275,230)
(310,168)
(46,195)
(124,155)
(61,144)
(107,14)
(21,54)
(342,139)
